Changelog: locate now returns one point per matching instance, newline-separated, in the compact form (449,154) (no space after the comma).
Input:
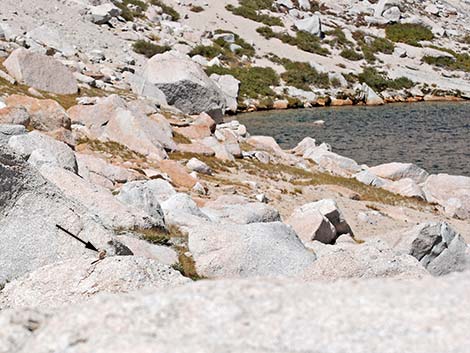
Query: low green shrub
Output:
(408,33)
(379,82)
(251,9)
(149,49)
(222,48)
(126,12)
(207,51)
(196,8)
(339,39)
(461,61)
(175,16)
(303,40)
(255,81)
(351,54)
(302,75)
(369,50)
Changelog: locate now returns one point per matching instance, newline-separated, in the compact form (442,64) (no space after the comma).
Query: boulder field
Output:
(104,220)
(136,217)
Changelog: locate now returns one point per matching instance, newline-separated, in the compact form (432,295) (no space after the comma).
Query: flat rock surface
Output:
(381,315)
(80,279)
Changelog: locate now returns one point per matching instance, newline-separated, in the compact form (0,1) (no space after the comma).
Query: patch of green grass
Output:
(126,12)
(302,75)
(149,49)
(175,16)
(351,54)
(303,40)
(379,82)
(255,81)
(408,33)
(251,9)
(461,61)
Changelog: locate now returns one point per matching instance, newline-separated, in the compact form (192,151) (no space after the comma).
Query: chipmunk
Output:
(101,255)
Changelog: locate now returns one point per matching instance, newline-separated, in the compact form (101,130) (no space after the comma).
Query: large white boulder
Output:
(396,171)
(101,14)
(384,5)
(184,83)
(34,144)
(30,209)
(41,72)
(438,247)
(257,249)
(450,191)
(230,86)
(332,162)
(310,24)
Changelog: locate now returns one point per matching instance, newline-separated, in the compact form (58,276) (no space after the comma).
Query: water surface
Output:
(435,136)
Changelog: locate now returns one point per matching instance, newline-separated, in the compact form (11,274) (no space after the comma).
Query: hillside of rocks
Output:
(137,215)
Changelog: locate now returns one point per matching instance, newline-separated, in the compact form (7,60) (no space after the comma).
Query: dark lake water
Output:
(435,136)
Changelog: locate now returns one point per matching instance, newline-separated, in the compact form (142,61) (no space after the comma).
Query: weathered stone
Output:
(41,72)
(310,225)
(7,131)
(178,174)
(275,316)
(397,171)
(367,260)
(184,83)
(144,195)
(14,116)
(257,249)
(405,187)
(101,14)
(137,132)
(229,85)
(90,166)
(332,162)
(30,208)
(51,39)
(311,25)
(195,148)
(304,145)
(370,97)
(26,144)
(99,201)
(44,114)
(198,166)
(330,210)
(446,190)
(96,116)
(438,247)
(181,211)
(78,280)
(253,212)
